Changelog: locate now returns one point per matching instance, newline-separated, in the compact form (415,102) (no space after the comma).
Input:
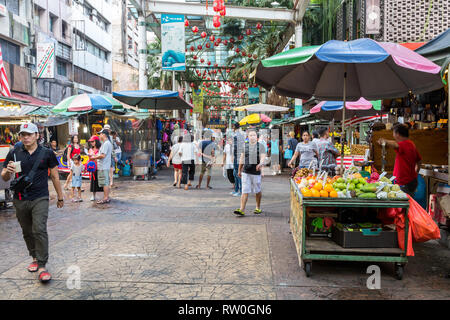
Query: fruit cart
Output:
(323,248)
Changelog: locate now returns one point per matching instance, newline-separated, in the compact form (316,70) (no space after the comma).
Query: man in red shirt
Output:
(407,161)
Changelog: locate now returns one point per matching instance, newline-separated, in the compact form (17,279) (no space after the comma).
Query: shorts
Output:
(77,181)
(251,183)
(206,169)
(177,166)
(103,178)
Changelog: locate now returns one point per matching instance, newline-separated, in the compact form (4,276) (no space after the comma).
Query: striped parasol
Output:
(87,102)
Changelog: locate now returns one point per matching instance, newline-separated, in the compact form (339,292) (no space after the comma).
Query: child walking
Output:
(77,179)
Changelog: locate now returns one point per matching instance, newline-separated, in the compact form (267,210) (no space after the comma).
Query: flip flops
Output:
(33,267)
(45,276)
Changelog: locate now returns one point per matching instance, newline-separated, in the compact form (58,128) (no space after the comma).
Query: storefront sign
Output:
(3,11)
(173,42)
(73,127)
(197,100)
(253,95)
(46,60)
(373,16)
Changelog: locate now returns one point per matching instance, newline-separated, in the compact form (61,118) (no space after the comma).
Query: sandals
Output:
(103,201)
(45,276)
(33,267)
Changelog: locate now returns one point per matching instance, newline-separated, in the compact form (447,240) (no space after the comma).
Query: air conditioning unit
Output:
(29,59)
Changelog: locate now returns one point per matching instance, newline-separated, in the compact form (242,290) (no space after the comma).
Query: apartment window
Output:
(53,23)
(11,5)
(38,12)
(61,68)
(65,30)
(130,43)
(10,52)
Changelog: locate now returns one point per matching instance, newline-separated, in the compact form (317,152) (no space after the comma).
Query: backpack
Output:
(91,166)
(64,157)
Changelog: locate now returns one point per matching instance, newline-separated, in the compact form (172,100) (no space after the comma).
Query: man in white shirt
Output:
(188,152)
(104,165)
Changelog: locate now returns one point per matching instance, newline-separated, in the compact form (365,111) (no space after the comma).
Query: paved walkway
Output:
(154,241)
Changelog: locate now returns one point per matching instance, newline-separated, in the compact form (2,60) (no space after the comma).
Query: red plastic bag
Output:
(399,221)
(422,225)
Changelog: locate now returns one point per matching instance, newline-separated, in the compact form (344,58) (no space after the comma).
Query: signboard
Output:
(73,127)
(197,100)
(253,95)
(173,42)
(373,16)
(45,60)
(3,11)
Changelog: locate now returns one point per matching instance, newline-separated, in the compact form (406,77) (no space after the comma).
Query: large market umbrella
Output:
(341,70)
(155,100)
(261,107)
(87,102)
(254,119)
(329,110)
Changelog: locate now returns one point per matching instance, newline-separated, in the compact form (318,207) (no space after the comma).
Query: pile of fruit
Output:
(359,149)
(346,148)
(303,172)
(350,185)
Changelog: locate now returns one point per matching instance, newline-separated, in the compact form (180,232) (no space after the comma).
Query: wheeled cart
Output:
(310,249)
(141,164)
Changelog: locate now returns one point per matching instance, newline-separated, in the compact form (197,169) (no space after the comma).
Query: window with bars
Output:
(11,5)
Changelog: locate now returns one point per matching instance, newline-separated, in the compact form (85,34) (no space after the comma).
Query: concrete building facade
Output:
(399,20)
(125,50)
(92,46)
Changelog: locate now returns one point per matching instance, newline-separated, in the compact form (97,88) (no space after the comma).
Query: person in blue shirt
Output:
(275,154)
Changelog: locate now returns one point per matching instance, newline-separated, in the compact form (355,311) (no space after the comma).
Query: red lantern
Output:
(203,34)
(199,47)
(248,32)
(202,60)
(243,53)
(215,65)
(258,26)
(209,63)
(186,23)
(212,38)
(216,21)
(225,42)
(223,12)
(194,29)
(219,40)
(231,40)
(192,48)
(228,70)
(241,37)
(195,57)
(255,56)
(192,84)
(249,55)
(237,50)
(216,43)
(208,45)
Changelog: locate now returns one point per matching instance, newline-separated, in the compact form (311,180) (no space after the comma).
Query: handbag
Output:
(288,154)
(23,182)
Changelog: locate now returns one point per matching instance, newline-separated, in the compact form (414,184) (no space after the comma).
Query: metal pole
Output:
(175,112)
(142,46)
(343,116)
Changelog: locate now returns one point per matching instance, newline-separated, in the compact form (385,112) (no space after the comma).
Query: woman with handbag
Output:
(95,145)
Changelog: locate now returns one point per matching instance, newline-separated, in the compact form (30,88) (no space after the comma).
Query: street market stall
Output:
(341,71)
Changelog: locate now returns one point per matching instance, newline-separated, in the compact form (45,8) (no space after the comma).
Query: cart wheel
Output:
(134,178)
(308,269)
(398,271)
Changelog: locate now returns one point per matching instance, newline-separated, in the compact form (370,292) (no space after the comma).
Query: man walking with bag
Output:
(29,165)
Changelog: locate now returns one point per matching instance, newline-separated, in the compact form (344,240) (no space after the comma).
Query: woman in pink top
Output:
(73,149)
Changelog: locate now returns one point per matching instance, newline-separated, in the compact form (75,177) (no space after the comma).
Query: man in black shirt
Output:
(32,203)
(250,167)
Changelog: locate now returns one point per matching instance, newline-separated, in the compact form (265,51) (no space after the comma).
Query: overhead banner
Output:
(253,95)
(373,16)
(45,60)
(197,100)
(173,42)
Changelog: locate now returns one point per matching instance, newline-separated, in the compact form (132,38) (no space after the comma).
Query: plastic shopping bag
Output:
(422,225)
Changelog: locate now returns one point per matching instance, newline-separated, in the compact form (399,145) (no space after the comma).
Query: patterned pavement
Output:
(154,241)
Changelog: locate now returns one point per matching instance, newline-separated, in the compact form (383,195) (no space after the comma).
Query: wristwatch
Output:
(60,200)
